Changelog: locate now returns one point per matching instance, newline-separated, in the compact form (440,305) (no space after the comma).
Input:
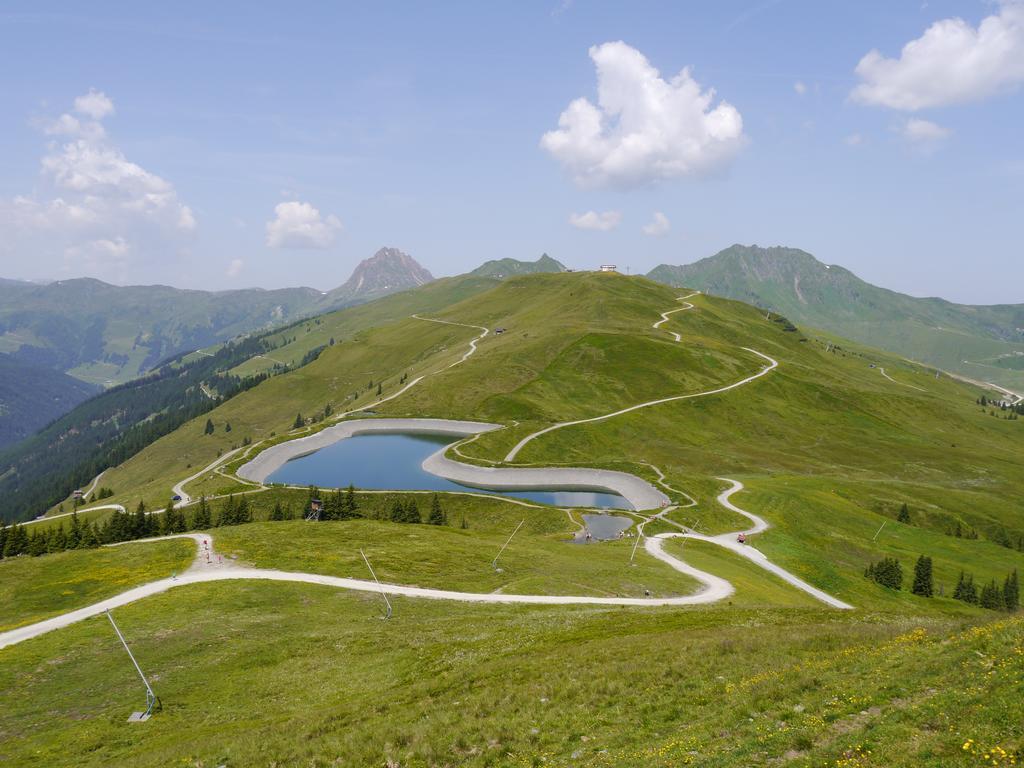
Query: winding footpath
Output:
(207,567)
(664,315)
(772,365)
(901,383)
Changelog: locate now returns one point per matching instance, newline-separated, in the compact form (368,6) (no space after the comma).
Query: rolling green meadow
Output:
(829,449)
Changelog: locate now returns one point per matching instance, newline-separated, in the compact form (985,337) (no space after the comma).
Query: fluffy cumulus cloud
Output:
(94,206)
(300,225)
(643,128)
(951,63)
(659,225)
(235,268)
(602,222)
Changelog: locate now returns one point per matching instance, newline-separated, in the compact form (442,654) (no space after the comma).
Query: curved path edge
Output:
(713,588)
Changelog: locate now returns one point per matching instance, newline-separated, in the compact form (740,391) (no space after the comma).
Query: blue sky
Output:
(347,127)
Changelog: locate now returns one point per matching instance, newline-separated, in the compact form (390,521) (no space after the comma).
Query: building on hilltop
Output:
(607,268)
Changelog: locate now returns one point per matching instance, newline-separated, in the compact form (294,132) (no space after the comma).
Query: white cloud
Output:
(658,226)
(602,222)
(800,88)
(644,128)
(923,131)
(109,257)
(923,136)
(951,63)
(853,140)
(94,104)
(235,268)
(115,247)
(300,225)
(94,205)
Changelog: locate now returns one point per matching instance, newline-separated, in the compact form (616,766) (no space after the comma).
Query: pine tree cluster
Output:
(886,572)
(991,595)
(404,511)
(338,505)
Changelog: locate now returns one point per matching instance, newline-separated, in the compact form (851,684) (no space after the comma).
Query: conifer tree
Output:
(412,512)
(36,544)
(436,516)
(209,427)
(17,541)
(923,586)
(299,422)
(3,538)
(243,512)
(397,512)
(74,537)
(886,572)
(201,515)
(177,524)
(277,513)
(904,515)
(991,596)
(227,512)
(1011,592)
(90,537)
(140,524)
(58,540)
(351,507)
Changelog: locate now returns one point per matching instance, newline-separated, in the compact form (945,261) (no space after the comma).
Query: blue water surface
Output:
(392,462)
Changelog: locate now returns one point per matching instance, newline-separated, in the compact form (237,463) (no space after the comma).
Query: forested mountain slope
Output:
(31,396)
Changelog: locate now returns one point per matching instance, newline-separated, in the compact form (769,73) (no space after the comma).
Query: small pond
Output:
(392,462)
(606,527)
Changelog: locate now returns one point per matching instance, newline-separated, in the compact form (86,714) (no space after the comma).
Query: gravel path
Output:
(901,383)
(772,364)
(664,315)
(209,567)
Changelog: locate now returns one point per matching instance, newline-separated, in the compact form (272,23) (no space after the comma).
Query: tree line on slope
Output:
(121,526)
(889,573)
(115,425)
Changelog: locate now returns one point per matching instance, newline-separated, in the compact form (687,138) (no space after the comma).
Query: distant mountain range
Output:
(980,342)
(502,268)
(103,335)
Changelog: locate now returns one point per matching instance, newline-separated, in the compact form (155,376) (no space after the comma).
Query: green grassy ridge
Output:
(447,557)
(405,345)
(346,324)
(825,414)
(262,673)
(36,588)
(272,406)
(793,282)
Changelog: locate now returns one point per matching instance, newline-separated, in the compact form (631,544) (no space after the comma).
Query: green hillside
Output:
(981,342)
(851,454)
(106,334)
(502,268)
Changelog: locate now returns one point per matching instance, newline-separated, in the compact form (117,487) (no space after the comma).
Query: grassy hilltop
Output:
(980,342)
(830,450)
